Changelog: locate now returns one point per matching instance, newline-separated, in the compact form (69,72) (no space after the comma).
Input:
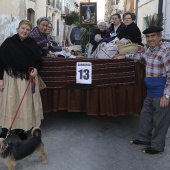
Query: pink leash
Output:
(32,81)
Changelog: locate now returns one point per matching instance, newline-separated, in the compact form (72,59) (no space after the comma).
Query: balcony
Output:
(65,11)
(58,5)
(76,2)
(50,2)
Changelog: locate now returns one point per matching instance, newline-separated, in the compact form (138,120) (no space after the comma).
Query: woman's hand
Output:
(34,72)
(119,56)
(53,55)
(118,42)
(1,85)
(141,48)
(65,49)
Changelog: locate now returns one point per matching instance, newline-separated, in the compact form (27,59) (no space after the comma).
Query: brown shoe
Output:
(138,142)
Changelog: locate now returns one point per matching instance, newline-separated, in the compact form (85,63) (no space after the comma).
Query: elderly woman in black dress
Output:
(130,31)
(97,35)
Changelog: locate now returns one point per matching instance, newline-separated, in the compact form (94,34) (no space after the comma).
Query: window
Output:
(58,27)
(30,15)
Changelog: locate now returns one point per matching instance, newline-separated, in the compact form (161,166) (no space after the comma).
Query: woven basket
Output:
(128,48)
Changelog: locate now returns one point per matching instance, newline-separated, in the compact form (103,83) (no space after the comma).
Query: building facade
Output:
(142,8)
(113,6)
(56,12)
(12,11)
(152,7)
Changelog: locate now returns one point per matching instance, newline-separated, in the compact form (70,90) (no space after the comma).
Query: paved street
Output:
(74,141)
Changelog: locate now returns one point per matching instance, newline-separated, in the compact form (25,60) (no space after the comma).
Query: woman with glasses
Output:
(48,32)
(54,46)
(38,33)
(97,35)
(115,28)
(130,31)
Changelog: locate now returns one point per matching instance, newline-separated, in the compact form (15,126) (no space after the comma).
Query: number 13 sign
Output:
(84,72)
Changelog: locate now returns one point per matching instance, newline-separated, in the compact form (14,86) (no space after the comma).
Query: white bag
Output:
(89,50)
(108,51)
(65,54)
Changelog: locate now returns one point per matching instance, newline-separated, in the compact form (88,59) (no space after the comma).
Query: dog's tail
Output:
(36,131)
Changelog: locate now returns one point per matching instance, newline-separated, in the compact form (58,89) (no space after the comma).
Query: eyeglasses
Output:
(44,25)
(127,18)
(114,18)
(103,26)
(50,27)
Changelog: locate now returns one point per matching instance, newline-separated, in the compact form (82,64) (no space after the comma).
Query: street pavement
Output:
(75,141)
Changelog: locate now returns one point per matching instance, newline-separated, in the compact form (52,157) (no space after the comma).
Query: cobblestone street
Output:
(74,141)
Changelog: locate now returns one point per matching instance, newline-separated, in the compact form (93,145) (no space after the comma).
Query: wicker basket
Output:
(128,48)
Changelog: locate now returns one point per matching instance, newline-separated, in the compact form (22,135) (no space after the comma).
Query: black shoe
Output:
(150,150)
(3,133)
(138,142)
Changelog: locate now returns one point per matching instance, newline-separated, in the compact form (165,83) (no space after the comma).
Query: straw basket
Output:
(128,48)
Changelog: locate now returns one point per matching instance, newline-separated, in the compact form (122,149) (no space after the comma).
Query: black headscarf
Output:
(17,56)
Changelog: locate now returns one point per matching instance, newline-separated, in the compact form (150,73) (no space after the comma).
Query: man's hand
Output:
(1,85)
(118,42)
(164,102)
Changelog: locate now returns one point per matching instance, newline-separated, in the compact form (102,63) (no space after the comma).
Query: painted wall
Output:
(166,14)
(12,11)
(8,25)
(54,14)
(146,7)
(150,7)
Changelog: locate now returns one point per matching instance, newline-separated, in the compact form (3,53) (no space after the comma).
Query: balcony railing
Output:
(64,11)
(76,2)
(50,2)
(58,5)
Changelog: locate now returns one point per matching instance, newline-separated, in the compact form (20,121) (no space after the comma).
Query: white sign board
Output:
(84,72)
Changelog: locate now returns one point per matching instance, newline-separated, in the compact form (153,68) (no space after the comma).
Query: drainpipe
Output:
(136,11)
(160,6)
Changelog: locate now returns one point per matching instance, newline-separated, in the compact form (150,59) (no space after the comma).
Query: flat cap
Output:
(152,29)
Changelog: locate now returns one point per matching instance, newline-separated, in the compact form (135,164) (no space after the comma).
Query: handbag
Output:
(128,48)
(41,83)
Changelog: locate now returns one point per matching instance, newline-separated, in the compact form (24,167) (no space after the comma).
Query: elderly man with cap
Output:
(155,114)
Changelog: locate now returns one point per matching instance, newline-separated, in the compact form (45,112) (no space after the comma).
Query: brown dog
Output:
(14,151)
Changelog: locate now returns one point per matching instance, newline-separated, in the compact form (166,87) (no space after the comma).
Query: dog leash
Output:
(32,82)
